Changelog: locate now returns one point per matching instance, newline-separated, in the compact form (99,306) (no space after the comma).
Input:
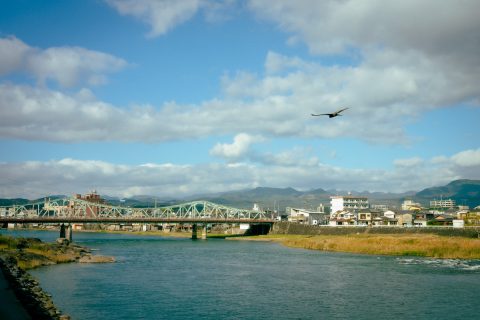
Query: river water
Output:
(173,278)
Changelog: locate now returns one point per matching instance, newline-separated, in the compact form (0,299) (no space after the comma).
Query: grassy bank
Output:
(29,253)
(423,245)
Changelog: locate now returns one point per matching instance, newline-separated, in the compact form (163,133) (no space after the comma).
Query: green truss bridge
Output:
(73,210)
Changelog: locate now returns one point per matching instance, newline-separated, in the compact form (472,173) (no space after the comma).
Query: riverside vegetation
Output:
(20,254)
(422,245)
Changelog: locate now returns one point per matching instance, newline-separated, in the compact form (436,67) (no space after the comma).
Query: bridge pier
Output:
(194,231)
(66,232)
(62,231)
(204,232)
(69,233)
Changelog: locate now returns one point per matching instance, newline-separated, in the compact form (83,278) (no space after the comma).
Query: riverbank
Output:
(28,300)
(420,245)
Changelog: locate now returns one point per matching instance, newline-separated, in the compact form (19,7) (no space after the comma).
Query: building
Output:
(94,198)
(382,207)
(351,203)
(442,203)
(404,219)
(410,205)
(304,216)
(366,217)
(342,218)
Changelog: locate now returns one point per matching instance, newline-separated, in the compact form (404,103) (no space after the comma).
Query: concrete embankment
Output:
(300,229)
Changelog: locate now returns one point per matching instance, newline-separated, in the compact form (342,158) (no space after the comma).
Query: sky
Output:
(176,98)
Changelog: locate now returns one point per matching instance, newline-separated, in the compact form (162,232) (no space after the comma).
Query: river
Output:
(173,278)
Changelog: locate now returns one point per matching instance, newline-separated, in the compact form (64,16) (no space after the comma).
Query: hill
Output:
(464,192)
(265,197)
(16,201)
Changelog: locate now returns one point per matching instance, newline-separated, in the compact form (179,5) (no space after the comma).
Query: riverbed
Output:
(177,278)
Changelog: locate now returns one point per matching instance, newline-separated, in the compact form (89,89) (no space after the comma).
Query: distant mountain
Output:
(464,192)
(265,197)
(22,201)
(16,201)
(140,201)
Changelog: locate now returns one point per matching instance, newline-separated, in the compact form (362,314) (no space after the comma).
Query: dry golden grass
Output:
(51,255)
(425,245)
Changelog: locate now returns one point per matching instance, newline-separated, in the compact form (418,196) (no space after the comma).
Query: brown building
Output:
(94,198)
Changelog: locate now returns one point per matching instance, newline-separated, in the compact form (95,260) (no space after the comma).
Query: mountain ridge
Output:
(463,191)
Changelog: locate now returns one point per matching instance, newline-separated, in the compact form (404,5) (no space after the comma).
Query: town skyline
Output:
(167,99)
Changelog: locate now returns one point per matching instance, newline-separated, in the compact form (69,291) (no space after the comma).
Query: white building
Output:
(352,203)
(446,203)
(389,214)
(382,207)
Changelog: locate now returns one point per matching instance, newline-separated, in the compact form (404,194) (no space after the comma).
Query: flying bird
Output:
(330,115)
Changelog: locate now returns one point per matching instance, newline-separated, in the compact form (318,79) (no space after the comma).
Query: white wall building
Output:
(389,214)
(442,203)
(352,203)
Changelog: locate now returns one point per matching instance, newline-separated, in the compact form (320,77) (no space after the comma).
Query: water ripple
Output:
(453,264)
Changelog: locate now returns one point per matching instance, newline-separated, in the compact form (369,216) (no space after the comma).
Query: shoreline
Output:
(414,245)
(26,299)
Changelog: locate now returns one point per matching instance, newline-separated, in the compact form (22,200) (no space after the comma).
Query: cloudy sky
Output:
(172,98)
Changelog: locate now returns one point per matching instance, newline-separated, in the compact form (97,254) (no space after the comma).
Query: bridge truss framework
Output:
(78,210)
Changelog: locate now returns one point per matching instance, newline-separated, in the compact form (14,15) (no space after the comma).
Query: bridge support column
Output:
(204,232)
(194,231)
(62,231)
(69,233)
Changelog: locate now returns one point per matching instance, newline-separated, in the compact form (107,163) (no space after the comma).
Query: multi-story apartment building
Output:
(442,203)
(352,203)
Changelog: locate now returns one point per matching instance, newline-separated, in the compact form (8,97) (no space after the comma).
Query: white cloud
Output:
(395,82)
(236,150)
(67,176)
(411,162)
(164,15)
(404,43)
(336,26)
(275,63)
(161,15)
(468,158)
(68,66)
(385,92)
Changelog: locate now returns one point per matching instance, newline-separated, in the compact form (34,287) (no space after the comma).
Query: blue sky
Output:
(173,98)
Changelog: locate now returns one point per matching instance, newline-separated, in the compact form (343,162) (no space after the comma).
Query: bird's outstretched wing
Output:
(321,114)
(337,112)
